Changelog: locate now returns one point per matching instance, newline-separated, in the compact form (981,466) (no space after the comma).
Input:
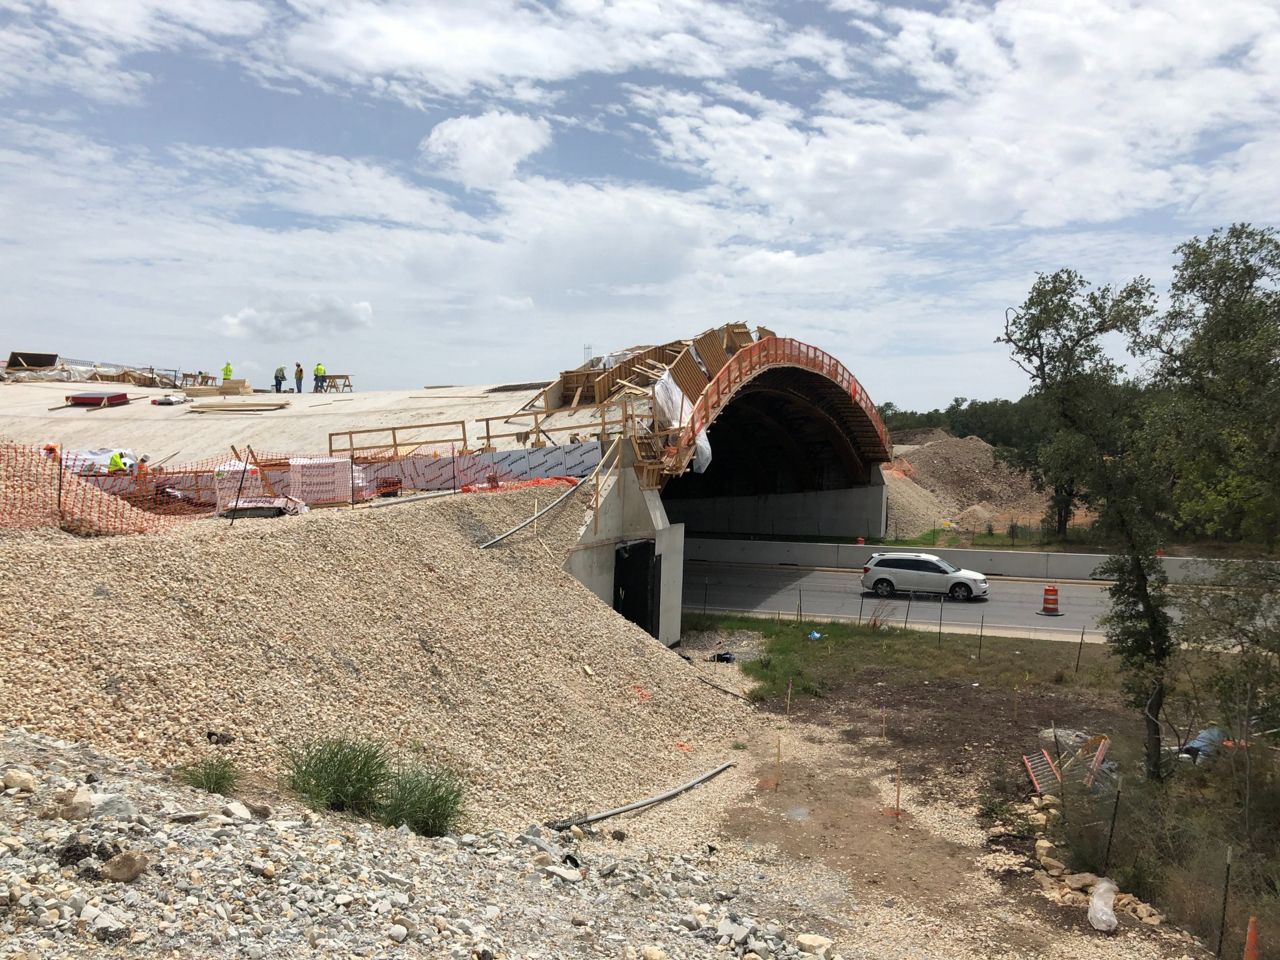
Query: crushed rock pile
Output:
(384,623)
(914,438)
(913,510)
(944,477)
(106,859)
(965,472)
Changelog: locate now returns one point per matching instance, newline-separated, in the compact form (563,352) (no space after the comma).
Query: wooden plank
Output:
(266,482)
(689,376)
(764,332)
(736,336)
(712,352)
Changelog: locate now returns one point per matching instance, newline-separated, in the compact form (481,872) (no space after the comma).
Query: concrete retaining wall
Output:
(996,563)
(850,512)
(628,513)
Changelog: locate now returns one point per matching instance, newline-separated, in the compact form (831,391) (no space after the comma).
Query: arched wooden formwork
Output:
(842,398)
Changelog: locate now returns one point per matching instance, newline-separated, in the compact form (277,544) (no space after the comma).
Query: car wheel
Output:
(883,588)
(961,592)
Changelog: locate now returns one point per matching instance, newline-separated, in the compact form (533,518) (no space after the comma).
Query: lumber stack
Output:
(235,388)
(238,406)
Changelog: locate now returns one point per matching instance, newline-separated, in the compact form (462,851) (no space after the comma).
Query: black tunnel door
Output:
(637,584)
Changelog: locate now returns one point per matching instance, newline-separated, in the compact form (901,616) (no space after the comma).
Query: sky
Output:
(421,192)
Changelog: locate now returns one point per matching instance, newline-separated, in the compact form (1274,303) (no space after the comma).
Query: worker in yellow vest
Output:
(226,370)
(319,374)
(116,463)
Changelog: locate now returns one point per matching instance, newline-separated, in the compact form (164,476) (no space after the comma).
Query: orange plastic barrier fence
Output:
(40,487)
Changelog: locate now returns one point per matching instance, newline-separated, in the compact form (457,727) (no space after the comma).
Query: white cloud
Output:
(317,316)
(1025,118)
(883,192)
(84,45)
(483,151)
(418,50)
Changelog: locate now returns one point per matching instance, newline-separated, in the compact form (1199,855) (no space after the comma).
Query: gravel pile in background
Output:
(965,472)
(913,510)
(385,623)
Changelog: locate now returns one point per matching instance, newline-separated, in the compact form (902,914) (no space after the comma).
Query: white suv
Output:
(886,573)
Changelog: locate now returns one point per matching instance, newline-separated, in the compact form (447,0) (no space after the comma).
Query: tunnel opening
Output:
(788,460)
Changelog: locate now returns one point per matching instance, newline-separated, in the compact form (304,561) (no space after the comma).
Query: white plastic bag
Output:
(701,452)
(1102,914)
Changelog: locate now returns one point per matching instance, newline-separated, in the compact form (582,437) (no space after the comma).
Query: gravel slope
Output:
(388,623)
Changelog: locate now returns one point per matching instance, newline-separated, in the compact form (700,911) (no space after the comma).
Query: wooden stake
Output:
(884,722)
(897,800)
(1222,921)
(981,625)
(535,510)
(778,768)
(1079,649)
(790,680)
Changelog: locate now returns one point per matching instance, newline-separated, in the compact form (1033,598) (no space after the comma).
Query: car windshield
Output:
(946,566)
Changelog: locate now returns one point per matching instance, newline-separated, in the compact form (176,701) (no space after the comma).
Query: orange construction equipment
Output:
(1251,941)
(1049,608)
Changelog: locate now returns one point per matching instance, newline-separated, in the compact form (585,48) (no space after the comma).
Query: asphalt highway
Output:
(1010,610)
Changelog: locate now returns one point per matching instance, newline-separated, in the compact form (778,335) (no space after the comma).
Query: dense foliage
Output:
(1199,405)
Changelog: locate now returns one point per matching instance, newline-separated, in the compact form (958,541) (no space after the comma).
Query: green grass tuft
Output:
(428,800)
(215,773)
(339,773)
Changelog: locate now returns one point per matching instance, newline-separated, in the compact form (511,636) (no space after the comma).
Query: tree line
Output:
(1196,405)
(1180,441)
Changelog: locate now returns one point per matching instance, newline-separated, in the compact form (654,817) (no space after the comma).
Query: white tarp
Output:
(235,478)
(671,407)
(324,479)
(701,452)
(96,461)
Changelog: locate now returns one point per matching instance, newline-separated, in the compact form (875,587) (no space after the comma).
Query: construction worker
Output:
(280,379)
(116,464)
(142,469)
(226,370)
(298,375)
(319,373)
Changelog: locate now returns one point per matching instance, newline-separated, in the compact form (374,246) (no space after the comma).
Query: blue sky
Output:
(420,192)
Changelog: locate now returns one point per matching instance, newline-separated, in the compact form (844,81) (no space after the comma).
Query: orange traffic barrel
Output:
(862,540)
(1251,941)
(1049,607)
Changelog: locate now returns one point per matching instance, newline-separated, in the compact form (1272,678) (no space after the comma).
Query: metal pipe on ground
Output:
(641,804)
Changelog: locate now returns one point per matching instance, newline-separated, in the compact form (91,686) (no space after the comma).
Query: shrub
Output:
(339,773)
(427,800)
(215,773)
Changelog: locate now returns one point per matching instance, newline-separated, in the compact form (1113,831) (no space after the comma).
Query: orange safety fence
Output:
(43,487)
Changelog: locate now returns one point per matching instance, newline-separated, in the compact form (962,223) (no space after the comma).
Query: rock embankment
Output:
(101,855)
